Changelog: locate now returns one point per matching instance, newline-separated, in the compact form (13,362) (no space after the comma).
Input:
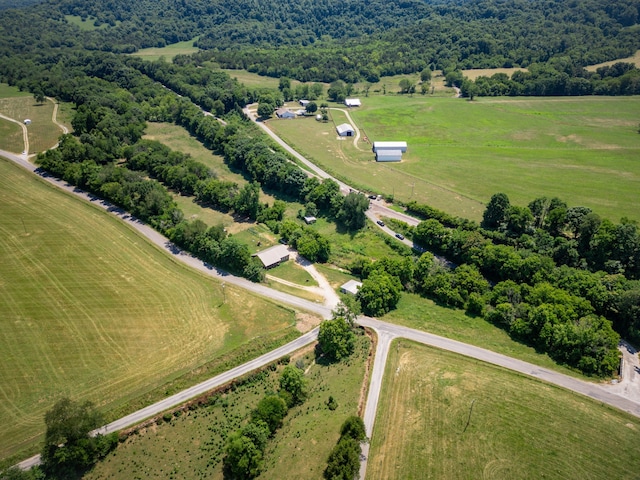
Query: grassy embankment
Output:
(519,428)
(460,153)
(191,445)
(90,310)
(43,133)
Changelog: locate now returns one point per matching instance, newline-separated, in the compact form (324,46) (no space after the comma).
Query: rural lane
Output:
(386,332)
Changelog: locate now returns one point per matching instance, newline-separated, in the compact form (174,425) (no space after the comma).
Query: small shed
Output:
(388,155)
(309,220)
(402,146)
(27,121)
(318,117)
(352,102)
(345,130)
(351,287)
(273,256)
(285,113)
(304,103)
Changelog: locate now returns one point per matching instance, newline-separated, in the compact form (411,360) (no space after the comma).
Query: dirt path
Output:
(331,298)
(54,117)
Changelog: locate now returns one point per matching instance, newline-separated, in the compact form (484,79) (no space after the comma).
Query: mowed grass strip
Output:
(90,310)
(191,445)
(43,133)
(518,428)
(168,52)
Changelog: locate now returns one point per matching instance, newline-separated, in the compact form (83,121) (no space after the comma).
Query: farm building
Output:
(352,102)
(273,256)
(304,103)
(388,155)
(402,146)
(309,220)
(285,113)
(351,287)
(345,130)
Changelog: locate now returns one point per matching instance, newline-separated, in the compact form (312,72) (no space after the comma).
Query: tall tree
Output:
(497,211)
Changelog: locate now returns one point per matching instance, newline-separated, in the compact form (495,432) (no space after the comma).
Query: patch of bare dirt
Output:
(306,322)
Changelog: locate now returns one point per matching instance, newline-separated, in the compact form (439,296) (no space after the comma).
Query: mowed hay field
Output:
(519,428)
(168,52)
(581,149)
(191,445)
(90,310)
(43,133)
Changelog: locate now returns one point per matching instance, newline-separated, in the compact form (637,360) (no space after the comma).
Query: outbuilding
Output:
(273,256)
(351,287)
(345,130)
(27,121)
(352,102)
(388,155)
(402,146)
(304,103)
(285,113)
(309,220)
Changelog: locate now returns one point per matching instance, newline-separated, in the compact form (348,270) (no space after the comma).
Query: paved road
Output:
(386,332)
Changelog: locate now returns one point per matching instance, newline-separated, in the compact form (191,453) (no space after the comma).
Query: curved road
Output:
(386,332)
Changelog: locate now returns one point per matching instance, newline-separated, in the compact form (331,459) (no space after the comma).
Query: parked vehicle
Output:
(400,236)
(380,222)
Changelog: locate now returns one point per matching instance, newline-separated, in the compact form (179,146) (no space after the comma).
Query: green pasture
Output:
(168,52)
(86,24)
(253,79)
(446,416)
(7,91)
(582,149)
(11,138)
(293,272)
(421,313)
(191,444)
(90,310)
(43,133)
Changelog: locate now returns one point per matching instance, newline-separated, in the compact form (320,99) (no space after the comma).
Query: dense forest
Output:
(329,40)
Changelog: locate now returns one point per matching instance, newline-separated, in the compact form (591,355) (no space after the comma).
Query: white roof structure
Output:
(388,155)
(27,121)
(304,103)
(352,287)
(285,113)
(402,146)
(352,102)
(345,130)
(273,256)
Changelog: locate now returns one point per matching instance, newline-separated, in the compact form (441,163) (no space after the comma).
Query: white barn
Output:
(352,102)
(351,287)
(273,256)
(388,155)
(402,146)
(304,103)
(345,130)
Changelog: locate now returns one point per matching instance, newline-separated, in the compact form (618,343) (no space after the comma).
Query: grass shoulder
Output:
(191,444)
(467,419)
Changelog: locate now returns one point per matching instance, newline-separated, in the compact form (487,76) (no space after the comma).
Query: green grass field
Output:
(168,52)
(460,153)
(423,314)
(86,25)
(191,445)
(43,133)
(519,428)
(92,311)
(293,272)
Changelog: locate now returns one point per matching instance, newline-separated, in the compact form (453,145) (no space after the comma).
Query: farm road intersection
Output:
(386,332)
